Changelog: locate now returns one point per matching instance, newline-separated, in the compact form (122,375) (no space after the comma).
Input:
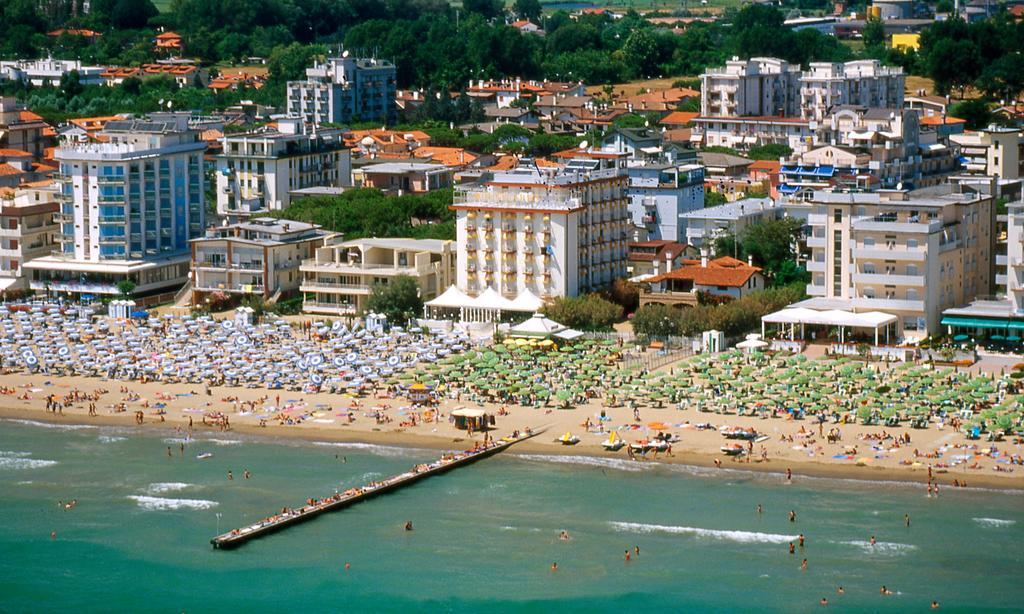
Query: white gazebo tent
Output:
(452,298)
(753,342)
(486,307)
(537,326)
(874,320)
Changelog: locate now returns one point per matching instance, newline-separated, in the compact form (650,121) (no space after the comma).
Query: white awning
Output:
(536,326)
(469,413)
(832,317)
(569,334)
(490,299)
(452,297)
(527,301)
(7,282)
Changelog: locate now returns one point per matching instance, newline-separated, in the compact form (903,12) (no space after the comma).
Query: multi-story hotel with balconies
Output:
(128,208)
(259,169)
(339,278)
(27,231)
(554,232)
(904,256)
(259,257)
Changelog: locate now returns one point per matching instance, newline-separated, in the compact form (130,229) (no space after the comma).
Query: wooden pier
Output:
(292,516)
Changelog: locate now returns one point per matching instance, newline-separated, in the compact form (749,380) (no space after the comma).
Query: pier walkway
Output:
(315,507)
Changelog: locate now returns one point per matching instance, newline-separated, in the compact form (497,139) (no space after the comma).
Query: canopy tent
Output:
(477,419)
(752,342)
(874,320)
(568,334)
(486,307)
(536,326)
(983,323)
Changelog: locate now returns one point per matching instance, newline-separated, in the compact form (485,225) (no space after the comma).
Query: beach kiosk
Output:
(419,393)
(476,419)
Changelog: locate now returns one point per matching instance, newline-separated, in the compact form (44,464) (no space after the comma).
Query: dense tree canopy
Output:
(399,300)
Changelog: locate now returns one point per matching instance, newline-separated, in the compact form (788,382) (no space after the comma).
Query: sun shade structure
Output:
(487,307)
(875,320)
(536,326)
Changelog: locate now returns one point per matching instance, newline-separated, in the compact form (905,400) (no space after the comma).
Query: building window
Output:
(837,216)
(837,263)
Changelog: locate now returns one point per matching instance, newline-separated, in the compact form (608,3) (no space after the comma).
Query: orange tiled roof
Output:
(75,32)
(936,120)
(678,118)
(448,156)
(90,124)
(507,163)
(768,166)
(120,72)
(663,248)
(14,153)
(168,69)
(168,36)
(29,116)
(724,271)
(43,168)
(7,170)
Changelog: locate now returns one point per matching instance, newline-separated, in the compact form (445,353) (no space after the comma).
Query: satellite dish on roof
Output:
(584,144)
(344,53)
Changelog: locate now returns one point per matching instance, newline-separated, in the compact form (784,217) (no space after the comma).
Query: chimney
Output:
(703,257)
(668,262)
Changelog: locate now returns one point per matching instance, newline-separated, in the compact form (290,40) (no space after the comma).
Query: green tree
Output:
(399,300)
(590,312)
(126,287)
(713,199)
(640,52)
(1004,78)
(953,64)
(771,243)
(489,9)
(657,320)
(528,9)
(874,33)
(975,112)
(771,151)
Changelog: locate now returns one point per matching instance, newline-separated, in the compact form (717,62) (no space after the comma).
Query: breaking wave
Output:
(742,537)
(161,504)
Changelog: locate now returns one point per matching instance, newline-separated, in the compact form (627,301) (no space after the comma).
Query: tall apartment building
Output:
(908,257)
(259,169)
(259,257)
(345,89)
(765,100)
(27,231)
(865,83)
(339,279)
(129,206)
(659,194)
(554,232)
(49,72)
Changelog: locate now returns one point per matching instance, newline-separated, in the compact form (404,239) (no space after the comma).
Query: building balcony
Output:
(110,179)
(813,290)
(886,279)
(887,304)
(328,308)
(235,288)
(328,286)
(1001,260)
(816,242)
(815,266)
(881,253)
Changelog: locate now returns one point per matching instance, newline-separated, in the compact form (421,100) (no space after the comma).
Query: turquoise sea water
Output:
(484,537)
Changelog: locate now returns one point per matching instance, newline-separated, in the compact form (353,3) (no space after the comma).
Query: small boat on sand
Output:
(739,433)
(732,449)
(614,443)
(646,445)
(568,439)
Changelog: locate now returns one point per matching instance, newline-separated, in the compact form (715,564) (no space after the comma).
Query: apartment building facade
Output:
(345,89)
(27,231)
(703,226)
(260,257)
(908,257)
(557,232)
(994,151)
(339,278)
(659,194)
(128,208)
(258,170)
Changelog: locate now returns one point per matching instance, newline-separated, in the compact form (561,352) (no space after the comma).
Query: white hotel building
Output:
(128,208)
(553,232)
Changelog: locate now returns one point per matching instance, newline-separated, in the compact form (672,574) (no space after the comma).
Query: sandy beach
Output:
(795,445)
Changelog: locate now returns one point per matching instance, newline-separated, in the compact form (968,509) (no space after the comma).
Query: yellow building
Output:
(906,42)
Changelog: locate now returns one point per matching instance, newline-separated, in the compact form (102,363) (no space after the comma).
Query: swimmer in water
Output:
(554,567)
(885,590)
(840,590)
(348,566)
(760,510)
(636,549)
(801,540)
(792,516)
(823,601)
(803,565)
(873,542)
(792,548)
(246,474)
(408,525)
(231,476)
(627,556)
(935,605)
(906,519)
(564,536)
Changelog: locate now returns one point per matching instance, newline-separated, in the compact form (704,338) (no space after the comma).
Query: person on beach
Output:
(789,474)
